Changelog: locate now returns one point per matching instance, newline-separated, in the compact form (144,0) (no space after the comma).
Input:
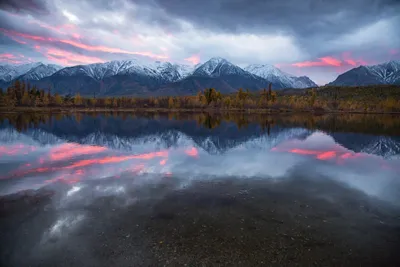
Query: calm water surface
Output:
(199,189)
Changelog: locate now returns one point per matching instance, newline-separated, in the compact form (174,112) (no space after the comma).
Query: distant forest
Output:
(379,98)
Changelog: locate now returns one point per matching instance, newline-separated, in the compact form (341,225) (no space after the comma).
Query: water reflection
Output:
(76,162)
(70,150)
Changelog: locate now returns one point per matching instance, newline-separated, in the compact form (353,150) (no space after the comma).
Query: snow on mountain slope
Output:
(97,71)
(40,72)
(161,70)
(385,73)
(303,82)
(216,67)
(10,72)
(385,147)
(184,70)
(388,72)
(275,75)
(157,141)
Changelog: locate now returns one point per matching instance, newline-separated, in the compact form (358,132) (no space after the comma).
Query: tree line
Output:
(366,99)
(388,124)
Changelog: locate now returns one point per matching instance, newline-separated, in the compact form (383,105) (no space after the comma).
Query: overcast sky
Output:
(317,38)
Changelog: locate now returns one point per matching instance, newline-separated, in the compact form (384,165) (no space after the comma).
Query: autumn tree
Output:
(170,102)
(227,102)
(211,95)
(93,101)
(78,100)
(242,95)
(11,97)
(156,102)
(269,89)
(115,102)
(107,102)
(273,97)
(26,100)
(45,100)
(58,100)
(313,97)
(264,97)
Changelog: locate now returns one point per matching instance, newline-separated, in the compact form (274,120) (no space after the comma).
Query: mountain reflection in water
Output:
(74,161)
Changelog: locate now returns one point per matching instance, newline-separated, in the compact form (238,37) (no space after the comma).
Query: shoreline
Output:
(183,110)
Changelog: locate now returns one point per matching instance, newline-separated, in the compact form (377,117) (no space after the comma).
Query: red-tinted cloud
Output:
(18,40)
(76,36)
(69,150)
(10,58)
(65,57)
(111,49)
(15,150)
(329,61)
(195,59)
(193,152)
(11,34)
(42,39)
(323,61)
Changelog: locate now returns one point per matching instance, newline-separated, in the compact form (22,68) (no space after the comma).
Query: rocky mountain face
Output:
(385,73)
(133,77)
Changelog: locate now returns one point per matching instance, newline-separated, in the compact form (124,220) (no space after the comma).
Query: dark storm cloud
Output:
(310,22)
(302,18)
(24,6)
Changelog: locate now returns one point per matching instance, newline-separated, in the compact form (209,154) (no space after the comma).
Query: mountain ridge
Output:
(140,78)
(384,73)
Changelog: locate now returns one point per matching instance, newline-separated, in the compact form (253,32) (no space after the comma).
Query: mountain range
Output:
(134,77)
(385,73)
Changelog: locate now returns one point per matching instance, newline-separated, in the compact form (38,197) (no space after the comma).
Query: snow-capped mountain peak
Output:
(40,71)
(216,67)
(160,70)
(277,76)
(385,73)
(10,72)
(266,71)
(127,76)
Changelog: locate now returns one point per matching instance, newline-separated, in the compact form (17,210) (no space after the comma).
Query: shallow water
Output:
(199,189)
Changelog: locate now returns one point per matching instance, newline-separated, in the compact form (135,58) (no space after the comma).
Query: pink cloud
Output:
(68,58)
(10,58)
(346,60)
(195,59)
(323,61)
(331,61)
(81,45)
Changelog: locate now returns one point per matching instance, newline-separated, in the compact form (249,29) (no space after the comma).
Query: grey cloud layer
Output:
(306,20)
(25,6)
(299,17)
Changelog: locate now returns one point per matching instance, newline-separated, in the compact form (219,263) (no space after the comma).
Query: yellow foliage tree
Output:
(78,100)
(57,100)
(170,102)
(26,100)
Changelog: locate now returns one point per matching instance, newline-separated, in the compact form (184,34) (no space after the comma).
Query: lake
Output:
(183,189)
